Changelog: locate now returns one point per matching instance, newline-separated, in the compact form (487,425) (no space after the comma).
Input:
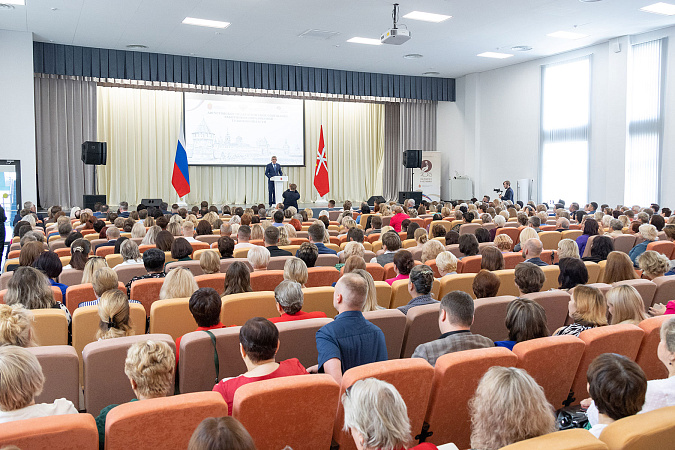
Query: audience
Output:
(625,305)
(104,279)
(619,267)
(532,249)
(226,247)
(130,254)
(181,250)
(431,249)
(271,236)
(29,287)
(258,257)
(178,283)
(113,310)
(491,259)
(588,308)
(573,272)
(601,247)
(391,243)
(50,264)
(93,264)
(403,264)
(371,298)
(289,297)
(503,242)
(653,264)
(529,278)
(16,326)
(525,234)
(237,279)
(209,262)
(420,282)
(219,433)
(164,241)
(468,245)
(567,248)
(79,251)
(446,263)
(485,284)
(153,261)
(649,234)
(204,305)
(525,320)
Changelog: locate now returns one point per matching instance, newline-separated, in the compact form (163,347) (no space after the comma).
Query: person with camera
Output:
(508,192)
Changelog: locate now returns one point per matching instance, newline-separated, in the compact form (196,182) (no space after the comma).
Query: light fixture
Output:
(205,22)
(6,7)
(495,55)
(429,74)
(362,40)
(413,56)
(665,9)
(14,2)
(426,17)
(567,35)
(521,48)
(136,46)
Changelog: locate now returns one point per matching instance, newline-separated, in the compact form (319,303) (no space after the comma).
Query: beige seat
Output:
(651,430)
(421,327)
(457,282)
(277,262)
(489,316)
(172,317)
(193,266)
(50,327)
(550,239)
(383,293)
(104,380)
(319,299)
(238,308)
(665,289)
(392,322)
(114,260)
(225,263)
(574,439)
(297,339)
(593,271)
(645,288)
(70,277)
(327,260)
(126,272)
(555,303)
(60,366)
(507,281)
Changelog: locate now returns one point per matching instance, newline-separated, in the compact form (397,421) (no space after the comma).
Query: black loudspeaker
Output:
(412,159)
(95,153)
(375,198)
(88,201)
(405,195)
(152,202)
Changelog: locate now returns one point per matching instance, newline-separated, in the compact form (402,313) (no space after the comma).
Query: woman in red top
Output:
(289,299)
(205,304)
(258,343)
(377,417)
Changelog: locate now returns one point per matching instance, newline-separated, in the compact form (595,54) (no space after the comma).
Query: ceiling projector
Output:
(395,35)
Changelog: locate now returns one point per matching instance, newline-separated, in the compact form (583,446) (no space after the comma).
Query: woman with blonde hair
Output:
(151,236)
(295,269)
(175,229)
(653,264)
(503,242)
(588,308)
(432,249)
(508,407)
(113,310)
(625,305)
(371,296)
(130,254)
(290,231)
(353,248)
(93,264)
(421,237)
(16,326)
(138,230)
(619,267)
(283,236)
(149,222)
(525,234)
(568,248)
(259,257)
(178,283)
(30,287)
(446,263)
(257,232)
(209,261)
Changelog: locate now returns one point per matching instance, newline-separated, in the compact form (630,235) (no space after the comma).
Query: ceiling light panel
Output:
(362,40)
(495,55)
(567,35)
(205,22)
(14,2)
(426,17)
(665,9)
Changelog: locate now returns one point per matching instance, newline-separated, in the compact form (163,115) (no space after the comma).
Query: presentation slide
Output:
(228,130)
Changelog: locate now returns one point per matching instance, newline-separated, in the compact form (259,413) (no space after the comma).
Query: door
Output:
(10,193)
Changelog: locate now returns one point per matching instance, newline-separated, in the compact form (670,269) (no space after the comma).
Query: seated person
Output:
(209,262)
(308,253)
(16,326)
(403,264)
(104,279)
(625,305)
(113,312)
(153,261)
(529,278)
(216,433)
(296,270)
(485,284)
(243,237)
(455,320)
(649,234)
(178,283)
(258,343)
(150,366)
(226,247)
(289,297)
(181,250)
(573,272)
(278,218)
(29,287)
(525,320)
(316,233)
(377,417)
(468,245)
(50,264)
(204,304)
(112,233)
(391,243)
(375,224)
(491,258)
(258,257)
(420,282)
(272,241)
(446,263)
(532,249)
(21,379)
(188,229)
(587,308)
(237,279)
(601,247)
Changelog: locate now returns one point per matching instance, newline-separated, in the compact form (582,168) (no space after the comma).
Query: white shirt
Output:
(190,239)
(596,430)
(243,245)
(130,262)
(59,407)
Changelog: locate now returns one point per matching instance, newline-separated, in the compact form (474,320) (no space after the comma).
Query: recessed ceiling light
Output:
(426,17)
(205,22)
(589,1)
(318,34)
(362,40)
(413,56)
(137,46)
(494,55)
(6,7)
(431,73)
(665,9)
(567,35)
(521,48)
(14,2)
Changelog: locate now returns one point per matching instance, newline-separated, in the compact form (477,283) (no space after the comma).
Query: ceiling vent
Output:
(319,35)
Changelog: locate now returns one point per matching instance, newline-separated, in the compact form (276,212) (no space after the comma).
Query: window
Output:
(565,126)
(645,125)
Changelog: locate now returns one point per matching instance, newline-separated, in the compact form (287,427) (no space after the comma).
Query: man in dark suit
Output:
(113,234)
(271,241)
(272,170)
(315,233)
(508,192)
(532,252)
(291,196)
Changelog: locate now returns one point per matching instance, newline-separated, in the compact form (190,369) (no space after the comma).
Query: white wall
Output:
(17,110)
(498,113)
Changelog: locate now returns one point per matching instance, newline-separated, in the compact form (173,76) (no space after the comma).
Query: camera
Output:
(498,191)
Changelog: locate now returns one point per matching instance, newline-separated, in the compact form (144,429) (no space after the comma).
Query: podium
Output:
(279,187)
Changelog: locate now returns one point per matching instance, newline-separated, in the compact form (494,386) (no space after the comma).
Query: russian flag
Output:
(181,178)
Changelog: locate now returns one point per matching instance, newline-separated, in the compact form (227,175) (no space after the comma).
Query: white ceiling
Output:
(267,30)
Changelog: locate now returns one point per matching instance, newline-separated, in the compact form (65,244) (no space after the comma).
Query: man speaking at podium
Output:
(272,170)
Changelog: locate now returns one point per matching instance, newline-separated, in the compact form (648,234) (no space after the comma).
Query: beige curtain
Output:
(141,128)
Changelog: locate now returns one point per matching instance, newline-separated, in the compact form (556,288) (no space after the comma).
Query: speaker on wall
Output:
(151,202)
(412,159)
(95,153)
(405,195)
(375,198)
(90,200)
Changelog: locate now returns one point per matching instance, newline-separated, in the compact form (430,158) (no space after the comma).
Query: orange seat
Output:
(59,251)
(214,280)
(651,430)
(84,293)
(373,237)
(143,248)
(552,362)
(647,357)
(512,259)
(456,378)
(334,240)
(322,276)
(199,246)
(15,254)
(309,405)
(105,251)
(623,339)
(298,241)
(666,248)
(389,270)
(470,264)
(412,378)
(489,317)
(51,432)
(432,265)
(573,439)
(173,420)
(513,233)
(146,291)
(266,280)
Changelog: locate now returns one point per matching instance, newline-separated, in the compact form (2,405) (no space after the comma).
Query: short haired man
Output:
(375,225)
(529,278)
(204,304)
(243,237)
(272,170)
(419,286)
(291,196)
(113,234)
(153,261)
(354,234)
(454,321)
(278,218)
(508,192)
(331,204)
(349,340)
(562,224)
(123,210)
(188,230)
(534,222)
(308,253)
(532,249)
(272,241)
(289,297)
(391,243)
(316,232)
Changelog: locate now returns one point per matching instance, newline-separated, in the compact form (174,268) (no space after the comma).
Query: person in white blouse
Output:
(21,379)
(130,254)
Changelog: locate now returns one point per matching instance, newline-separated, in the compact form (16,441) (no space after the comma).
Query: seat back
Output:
(507,282)
(392,322)
(52,432)
(173,420)
(653,429)
(647,356)
(172,317)
(666,248)
(84,293)
(50,327)
(383,290)
(208,238)
(238,308)
(70,277)
(665,289)
(319,299)
(213,280)
(266,280)
(593,271)
(623,339)
(512,231)
(105,382)
(550,239)
(571,234)
(297,340)
(193,266)
(225,263)
(573,439)
(555,303)
(278,262)
(512,259)
(4,279)
(421,327)
(60,366)
(470,264)
(624,243)
(457,282)
(127,271)
(456,377)
(146,291)
(327,260)
(412,378)
(489,316)
(307,400)
(389,270)
(468,228)
(551,273)
(645,288)
(322,276)
(552,362)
